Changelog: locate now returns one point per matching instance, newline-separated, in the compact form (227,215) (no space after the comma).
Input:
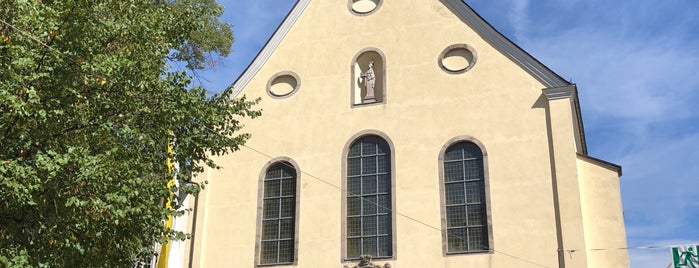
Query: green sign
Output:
(685,257)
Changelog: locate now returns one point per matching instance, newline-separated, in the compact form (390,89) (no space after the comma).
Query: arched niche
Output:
(361,77)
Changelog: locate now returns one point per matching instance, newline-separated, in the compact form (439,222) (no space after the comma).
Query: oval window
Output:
(283,84)
(363,7)
(457,59)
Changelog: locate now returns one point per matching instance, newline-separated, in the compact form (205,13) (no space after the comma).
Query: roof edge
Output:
(505,45)
(603,163)
(266,52)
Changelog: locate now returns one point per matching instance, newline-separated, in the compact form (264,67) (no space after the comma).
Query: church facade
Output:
(406,134)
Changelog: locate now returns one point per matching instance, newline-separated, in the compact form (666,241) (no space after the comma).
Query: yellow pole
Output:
(165,250)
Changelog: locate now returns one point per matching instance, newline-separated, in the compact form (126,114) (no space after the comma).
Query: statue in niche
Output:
(369,82)
(365,262)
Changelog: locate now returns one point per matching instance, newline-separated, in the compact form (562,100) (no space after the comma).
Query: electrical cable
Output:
(632,248)
(26,34)
(389,209)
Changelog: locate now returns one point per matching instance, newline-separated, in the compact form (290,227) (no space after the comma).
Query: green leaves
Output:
(86,104)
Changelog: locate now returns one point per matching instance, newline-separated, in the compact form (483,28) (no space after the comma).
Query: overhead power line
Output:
(389,209)
(25,34)
(632,248)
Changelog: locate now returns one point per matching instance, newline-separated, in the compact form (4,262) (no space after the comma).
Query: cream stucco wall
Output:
(602,209)
(497,103)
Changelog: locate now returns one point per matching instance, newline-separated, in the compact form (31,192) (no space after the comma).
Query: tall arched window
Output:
(278,232)
(369,209)
(465,199)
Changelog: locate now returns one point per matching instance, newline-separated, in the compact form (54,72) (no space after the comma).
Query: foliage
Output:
(88,104)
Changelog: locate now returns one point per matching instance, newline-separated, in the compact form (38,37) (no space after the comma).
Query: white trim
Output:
(269,48)
(557,93)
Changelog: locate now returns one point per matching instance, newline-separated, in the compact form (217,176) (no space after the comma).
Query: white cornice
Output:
(557,93)
(570,92)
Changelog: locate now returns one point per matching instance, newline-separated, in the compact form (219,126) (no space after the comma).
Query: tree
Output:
(88,103)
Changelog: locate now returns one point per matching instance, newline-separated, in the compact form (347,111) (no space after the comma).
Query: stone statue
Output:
(365,262)
(369,82)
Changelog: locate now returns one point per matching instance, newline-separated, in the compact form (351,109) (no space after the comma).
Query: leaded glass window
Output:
(279,215)
(464,191)
(369,223)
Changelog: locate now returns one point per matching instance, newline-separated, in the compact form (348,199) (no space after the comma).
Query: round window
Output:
(283,84)
(457,59)
(364,7)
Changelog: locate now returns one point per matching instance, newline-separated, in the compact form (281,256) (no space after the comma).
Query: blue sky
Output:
(636,64)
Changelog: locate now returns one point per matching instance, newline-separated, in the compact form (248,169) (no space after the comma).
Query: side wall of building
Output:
(605,235)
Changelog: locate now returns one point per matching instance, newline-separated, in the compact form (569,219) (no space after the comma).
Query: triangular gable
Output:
(462,10)
(466,14)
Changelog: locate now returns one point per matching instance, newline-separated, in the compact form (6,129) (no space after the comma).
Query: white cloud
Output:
(638,85)
(658,188)
(655,257)
(645,80)
(519,17)
(650,258)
